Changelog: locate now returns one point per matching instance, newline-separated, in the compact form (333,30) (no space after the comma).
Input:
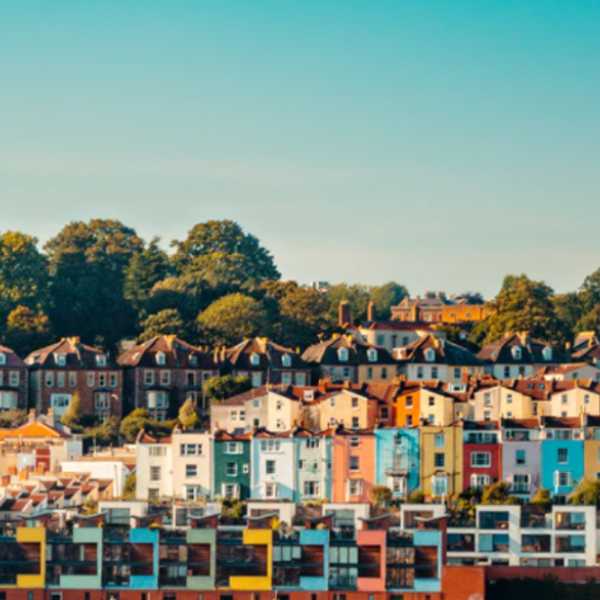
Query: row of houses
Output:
(345,464)
(162,373)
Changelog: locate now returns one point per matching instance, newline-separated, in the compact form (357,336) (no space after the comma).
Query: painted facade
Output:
(441,461)
(397,460)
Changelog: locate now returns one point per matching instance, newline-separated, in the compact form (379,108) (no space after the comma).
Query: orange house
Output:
(408,406)
(353,464)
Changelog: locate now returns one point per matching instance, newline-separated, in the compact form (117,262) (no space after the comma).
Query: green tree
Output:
(521,305)
(384,297)
(105,434)
(232,318)
(27,330)
(166,322)
(356,294)
(587,493)
(129,491)
(303,315)
(13,418)
(226,386)
(498,493)
(380,495)
(88,262)
(222,253)
(134,422)
(23,273)
(74,414)
(188,417)
(542,498)
(145,269)
(188,294)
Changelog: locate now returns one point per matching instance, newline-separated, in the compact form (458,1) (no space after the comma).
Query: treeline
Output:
(102,282)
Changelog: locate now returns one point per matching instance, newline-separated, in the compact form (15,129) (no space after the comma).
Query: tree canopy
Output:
(222,253)
(232,318)
(226,386)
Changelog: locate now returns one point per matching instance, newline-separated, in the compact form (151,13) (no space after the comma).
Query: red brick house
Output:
(162,373)
(59,371)
(13,380)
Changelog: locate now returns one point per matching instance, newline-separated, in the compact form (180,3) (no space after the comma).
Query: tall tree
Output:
(232,318)
(188,294)
(27,330)
(521,305)
(145,269)
(23,273)
(166,322)
(384,297)
(303,315)
(223,254)
(220,388)
(88,262)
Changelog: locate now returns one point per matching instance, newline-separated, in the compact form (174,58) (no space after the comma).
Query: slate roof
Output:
(77,356)
(500,352)
(326,353)
(270,356)
(446,353)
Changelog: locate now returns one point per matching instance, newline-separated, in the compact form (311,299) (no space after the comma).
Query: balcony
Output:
(536,543)
(497,542)
(570,544)
(460,542)
(493,520)
(570,521)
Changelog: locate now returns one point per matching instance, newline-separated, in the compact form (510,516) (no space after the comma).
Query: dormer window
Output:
(343,354)
(61,359)
(161,359)
(254,359)
(372,355)
(100,360)
(547,353)
(430,355)
(517,352)
(2,358)
(286,360)
(193,360)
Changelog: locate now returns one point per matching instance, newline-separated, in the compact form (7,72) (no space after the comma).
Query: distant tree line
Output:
(102,282)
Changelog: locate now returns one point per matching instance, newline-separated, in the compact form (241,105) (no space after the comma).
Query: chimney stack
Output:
(344,314)
(371,311)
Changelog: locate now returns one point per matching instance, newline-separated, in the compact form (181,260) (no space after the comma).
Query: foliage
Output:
(90,506)
(12,418)
(542,498)
(220,388)
(166,322)
(587,493)
(27,330)
(384,297)
(380,495)
(88,262)
(134,422)
(188,294)
(232,318)
(498,493)
(129,492)
(146,268)
(303,317)
(74,413)
(188,417)
(356,295)
(416,497)
(221,253)
(23,273)
(103,435)
(521,305)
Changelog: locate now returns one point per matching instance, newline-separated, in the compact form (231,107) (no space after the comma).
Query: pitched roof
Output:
(446,353)
(178,354)
(326,352)
(532,351)
(11,358)
(36,429)
(77,356)
(270,356)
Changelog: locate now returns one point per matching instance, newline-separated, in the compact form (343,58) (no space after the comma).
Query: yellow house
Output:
(441,461)
(591,448)
(261,538)
(352,408)
(437,406)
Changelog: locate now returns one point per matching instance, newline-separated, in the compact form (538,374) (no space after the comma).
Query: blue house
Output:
(397,460)
(562,454)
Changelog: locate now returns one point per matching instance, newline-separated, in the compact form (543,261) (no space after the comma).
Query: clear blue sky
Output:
(438,143)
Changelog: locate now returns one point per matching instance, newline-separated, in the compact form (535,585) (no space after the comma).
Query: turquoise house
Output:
(397,460)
